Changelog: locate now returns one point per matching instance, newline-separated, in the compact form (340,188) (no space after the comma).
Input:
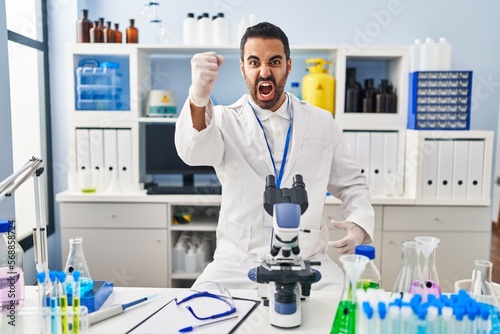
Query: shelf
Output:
(195,226)
(157,119)
(190,276)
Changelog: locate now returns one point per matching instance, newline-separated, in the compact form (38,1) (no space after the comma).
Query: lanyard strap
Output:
(287,141)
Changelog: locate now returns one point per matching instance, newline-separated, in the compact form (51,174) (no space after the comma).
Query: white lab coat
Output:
(234,144)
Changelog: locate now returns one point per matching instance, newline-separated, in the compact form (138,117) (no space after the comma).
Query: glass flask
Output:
(131,33)
(345,318)
(481,287)
(77,261)
(428,246)
(370,278)
(410,278)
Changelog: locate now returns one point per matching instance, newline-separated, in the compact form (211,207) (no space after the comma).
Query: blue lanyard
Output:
(283,161)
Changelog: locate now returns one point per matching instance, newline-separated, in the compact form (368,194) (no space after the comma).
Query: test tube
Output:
(53,302)
(63,302)
(76,301)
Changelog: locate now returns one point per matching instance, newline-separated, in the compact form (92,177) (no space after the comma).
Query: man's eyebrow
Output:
(252,57)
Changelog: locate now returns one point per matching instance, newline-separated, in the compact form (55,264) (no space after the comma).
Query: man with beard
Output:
(268,132)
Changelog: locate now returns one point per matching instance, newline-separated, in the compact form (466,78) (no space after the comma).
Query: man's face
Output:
(265,70)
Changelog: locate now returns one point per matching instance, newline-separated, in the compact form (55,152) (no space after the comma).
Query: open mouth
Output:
(265,90)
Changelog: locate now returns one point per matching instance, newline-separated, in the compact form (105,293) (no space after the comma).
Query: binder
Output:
(82,150)
(429,177)
(445,168)
(376,178)
(391,162)
(476,166)
(363,152)
(460,166)
(110,150)
(350,141)
(96,140)
(124,141)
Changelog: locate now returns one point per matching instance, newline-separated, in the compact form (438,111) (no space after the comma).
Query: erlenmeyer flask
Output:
(429,272)
(481,287)
(76,261)
(345,318)
(410,278)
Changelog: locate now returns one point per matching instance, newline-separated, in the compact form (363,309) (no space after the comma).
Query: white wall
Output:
(471,27)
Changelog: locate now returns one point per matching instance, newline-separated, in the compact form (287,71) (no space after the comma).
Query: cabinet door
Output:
(455,255)
(126,257)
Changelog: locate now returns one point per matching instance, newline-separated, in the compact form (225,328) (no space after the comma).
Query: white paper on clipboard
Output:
(171,317)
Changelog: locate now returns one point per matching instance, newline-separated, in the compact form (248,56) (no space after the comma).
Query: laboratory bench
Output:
(127,236)
(318,311)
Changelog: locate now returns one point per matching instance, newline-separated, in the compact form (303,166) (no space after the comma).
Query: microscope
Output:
(285,278)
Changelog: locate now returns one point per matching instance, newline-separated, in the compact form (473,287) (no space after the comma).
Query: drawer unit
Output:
(114,215)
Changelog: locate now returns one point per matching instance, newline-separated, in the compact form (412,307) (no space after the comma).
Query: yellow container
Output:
(318,87)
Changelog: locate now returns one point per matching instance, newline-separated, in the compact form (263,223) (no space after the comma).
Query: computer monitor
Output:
(161,154)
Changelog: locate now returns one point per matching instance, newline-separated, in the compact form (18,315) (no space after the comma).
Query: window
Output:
(26,50)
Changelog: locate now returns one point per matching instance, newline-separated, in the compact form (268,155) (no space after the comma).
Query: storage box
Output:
(439,100)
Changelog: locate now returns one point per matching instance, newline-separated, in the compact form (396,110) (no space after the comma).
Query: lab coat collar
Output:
(264,114)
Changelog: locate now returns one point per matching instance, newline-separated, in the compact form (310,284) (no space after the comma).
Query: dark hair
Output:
(265,30)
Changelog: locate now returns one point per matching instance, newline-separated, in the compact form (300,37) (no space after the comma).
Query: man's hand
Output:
(355,236)
(204,71)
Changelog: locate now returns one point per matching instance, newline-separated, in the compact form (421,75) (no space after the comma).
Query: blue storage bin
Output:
(98,85)
(439,100)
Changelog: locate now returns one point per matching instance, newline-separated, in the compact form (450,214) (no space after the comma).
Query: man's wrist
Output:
(197,101)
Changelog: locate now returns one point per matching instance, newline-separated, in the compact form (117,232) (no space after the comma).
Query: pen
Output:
(115,310)
(190,328)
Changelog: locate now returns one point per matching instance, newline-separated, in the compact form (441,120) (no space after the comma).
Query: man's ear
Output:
(241,69)
(289,65)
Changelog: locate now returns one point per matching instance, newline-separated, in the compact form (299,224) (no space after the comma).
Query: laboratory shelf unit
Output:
(390,63)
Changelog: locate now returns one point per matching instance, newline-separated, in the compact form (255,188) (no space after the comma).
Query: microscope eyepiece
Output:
(298,181)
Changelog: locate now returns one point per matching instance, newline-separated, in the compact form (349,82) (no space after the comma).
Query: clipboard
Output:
(171,317)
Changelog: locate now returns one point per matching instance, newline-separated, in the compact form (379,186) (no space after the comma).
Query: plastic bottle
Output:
(179,257)
(118,34)
(200,258)
(429,55)
(221,30)
(132,33)
(415,54)
(190,263)
(190,30)
(83,26)
(318,87)
(11,267)
(295,90)
(444,55)
(205,30)
(370,278)
(108,33)
(352,92)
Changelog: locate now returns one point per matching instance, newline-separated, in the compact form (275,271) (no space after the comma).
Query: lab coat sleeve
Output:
(205,147)
(350,186)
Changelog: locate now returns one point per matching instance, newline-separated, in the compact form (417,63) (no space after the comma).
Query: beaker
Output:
(345,318)
(481,287)
(410,278)
(77,261)
(429,272)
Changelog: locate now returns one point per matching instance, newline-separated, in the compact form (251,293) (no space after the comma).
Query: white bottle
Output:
(190,30)
(179,257)
(190,263)
(415,52)
(205,30)
(200,258)
(444,53)
(252,20)
(221,30)
(241,29)
(429,55)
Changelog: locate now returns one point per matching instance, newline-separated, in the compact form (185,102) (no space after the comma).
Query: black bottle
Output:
(369,96)
(381,98)
(353,92)
(392,100)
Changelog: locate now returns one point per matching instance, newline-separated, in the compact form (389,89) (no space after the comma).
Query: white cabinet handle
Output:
(113,215)
(437,219)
